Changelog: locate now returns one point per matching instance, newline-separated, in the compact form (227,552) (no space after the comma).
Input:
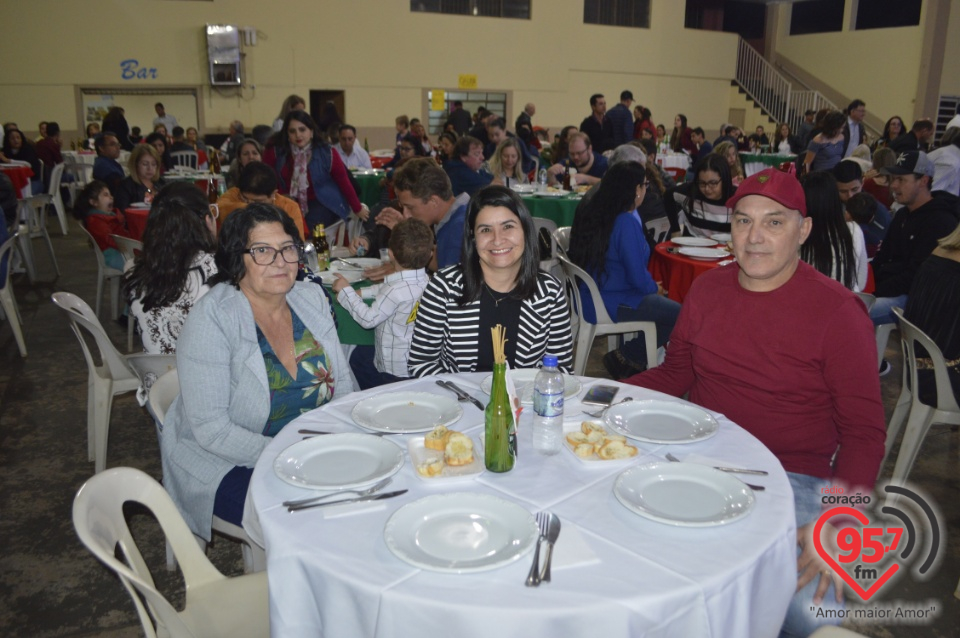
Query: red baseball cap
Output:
(781,187)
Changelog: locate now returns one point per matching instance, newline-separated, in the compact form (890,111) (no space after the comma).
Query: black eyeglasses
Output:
(713,183)
(267,255)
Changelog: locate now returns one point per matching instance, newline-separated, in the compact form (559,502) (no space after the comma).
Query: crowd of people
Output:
(224,285)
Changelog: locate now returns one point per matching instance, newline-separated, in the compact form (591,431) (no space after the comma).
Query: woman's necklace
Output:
(496,299)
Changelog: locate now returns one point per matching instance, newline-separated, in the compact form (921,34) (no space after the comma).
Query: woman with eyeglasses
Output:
(311,173)
(608,241)
(173,270)
(701,205)
(256,351)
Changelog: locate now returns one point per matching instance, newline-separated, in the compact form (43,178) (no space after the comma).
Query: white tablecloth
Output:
(674,160)
(333,575)
(81,158)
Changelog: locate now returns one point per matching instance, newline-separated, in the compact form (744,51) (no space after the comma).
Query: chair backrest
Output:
(5,250)
(81,316)
(128,247)
(660,227)
(100,523)
(867,299)
(101,261)
(162,393)
(545,239)
(336,234)
(575,274)
(185,158)
(56,175)
(562,237)
(33,211)
(910,336)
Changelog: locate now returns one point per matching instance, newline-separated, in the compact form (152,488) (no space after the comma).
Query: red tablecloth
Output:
(378,162)
(677,272)
(136,221)
(19,175)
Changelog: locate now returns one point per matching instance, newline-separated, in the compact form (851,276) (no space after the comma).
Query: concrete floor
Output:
(51,586)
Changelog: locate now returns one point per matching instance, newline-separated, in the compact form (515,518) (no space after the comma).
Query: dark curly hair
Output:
(176,232)
(235,235)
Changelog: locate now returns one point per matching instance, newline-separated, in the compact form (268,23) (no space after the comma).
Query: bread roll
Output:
(459,450)
(584,450)
(430,468)
(589,426)
(576,438)
(437,439)
(613,449)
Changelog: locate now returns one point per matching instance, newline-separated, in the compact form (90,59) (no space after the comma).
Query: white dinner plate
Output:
(683,494)
(139,205)
(523,381)
(694,241)
(329,276)
(551,193)
(722,238)
(661,421)
(365,171)
(524,188)
(406,412)
(338,461)
(706,254)
(460,532)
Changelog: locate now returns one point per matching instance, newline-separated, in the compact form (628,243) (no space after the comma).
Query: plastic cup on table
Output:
(384,256)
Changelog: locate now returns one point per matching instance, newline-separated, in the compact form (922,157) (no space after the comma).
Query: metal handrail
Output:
(769,88)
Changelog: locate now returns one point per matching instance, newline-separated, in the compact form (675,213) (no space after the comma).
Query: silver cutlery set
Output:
(549,525)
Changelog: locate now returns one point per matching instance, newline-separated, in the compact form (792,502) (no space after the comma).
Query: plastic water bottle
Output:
(542,180)
(548,408)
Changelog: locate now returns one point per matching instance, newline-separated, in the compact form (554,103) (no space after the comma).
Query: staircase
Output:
(772,91)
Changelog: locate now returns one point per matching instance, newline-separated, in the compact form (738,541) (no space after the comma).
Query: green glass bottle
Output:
(500,434)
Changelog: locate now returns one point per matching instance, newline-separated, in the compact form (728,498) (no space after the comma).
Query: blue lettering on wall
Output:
(130,69)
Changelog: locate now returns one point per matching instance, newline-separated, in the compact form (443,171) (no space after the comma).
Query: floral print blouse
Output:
(289,397)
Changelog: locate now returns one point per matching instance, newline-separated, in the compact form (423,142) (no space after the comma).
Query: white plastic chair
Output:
(562,238)
(128,248)
(53,190)
(33,218)
(548,226)
(185,158)
(660,227)
(162,394)
(215,605)
(105,273)
(111,377)
(81,173)
(7,301)
(604,325)
(867,299)
(921,416)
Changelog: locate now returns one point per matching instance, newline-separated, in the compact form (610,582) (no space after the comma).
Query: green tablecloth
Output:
(369,188)
(559,209)
(348,329)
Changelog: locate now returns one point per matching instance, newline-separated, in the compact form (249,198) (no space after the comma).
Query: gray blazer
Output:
(216,422)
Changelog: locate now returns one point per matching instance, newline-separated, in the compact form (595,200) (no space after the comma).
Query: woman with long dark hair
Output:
(608,241)
(784,142)
(17,148)
(835,246)
(498,281)
(893,129)
(311,173)
(159,141)
(172,271)
(680,138)
(701,205)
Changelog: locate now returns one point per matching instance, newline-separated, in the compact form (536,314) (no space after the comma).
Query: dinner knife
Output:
(359,499)
(460,392)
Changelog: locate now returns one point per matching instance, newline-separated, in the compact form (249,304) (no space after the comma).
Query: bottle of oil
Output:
(321,246)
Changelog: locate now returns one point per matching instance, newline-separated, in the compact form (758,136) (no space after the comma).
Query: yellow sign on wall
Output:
(467,81)
(438,100)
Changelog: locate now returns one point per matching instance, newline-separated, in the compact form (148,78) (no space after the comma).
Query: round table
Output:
(676,272)
(615,574)
(20,175)
(369,186)
(559,209)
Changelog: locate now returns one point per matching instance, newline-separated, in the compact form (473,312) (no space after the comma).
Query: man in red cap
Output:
(789,355)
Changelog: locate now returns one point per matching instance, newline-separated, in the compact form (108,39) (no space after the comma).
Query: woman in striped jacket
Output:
(497,282)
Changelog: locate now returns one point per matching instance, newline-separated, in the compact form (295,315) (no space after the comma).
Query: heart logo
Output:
(865,594)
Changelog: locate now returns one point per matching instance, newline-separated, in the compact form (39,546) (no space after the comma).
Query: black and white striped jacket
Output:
(445,335)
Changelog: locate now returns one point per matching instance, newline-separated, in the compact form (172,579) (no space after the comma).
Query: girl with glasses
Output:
(701,205)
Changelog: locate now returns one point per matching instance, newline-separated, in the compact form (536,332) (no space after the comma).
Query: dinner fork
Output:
(379,485)
(533,578)
(599,413)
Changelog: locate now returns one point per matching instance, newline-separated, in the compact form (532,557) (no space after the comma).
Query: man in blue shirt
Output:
(590,165)
(464,171)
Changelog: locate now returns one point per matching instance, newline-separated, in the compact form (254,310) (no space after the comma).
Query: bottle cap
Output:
(549,361)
